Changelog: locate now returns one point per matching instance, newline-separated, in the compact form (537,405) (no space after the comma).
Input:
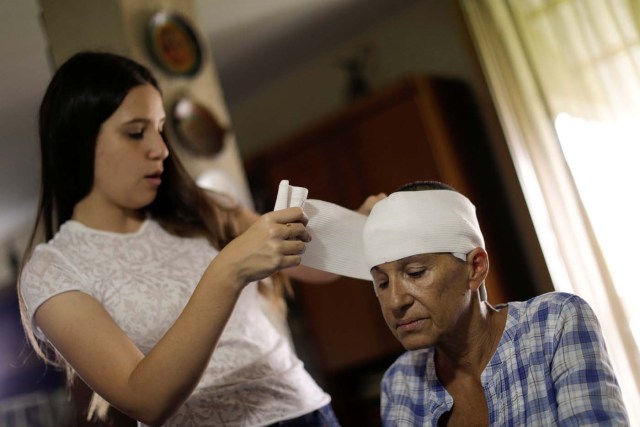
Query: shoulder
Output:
(549,305)
(44,258)
(553,299)
(554,315)
(47,273)
(49,257)
(57,266)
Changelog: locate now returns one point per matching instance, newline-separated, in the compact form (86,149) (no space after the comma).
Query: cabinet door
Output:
(325,166)
(394,147)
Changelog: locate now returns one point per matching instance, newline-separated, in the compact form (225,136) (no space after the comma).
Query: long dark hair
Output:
(83,93)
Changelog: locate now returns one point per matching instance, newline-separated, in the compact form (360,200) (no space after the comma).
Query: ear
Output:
(478,260)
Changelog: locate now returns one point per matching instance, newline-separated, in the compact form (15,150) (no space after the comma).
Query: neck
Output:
(474,344)
(118,221)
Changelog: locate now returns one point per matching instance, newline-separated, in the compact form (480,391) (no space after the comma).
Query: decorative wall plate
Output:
(196,128)
(173,44)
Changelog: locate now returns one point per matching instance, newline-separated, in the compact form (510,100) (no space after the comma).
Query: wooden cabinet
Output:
(417,129)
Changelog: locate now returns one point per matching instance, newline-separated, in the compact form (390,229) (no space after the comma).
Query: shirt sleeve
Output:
(47,274)
(587,392)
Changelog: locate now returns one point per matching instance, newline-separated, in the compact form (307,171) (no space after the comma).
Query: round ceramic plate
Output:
(196,128)
(173,44)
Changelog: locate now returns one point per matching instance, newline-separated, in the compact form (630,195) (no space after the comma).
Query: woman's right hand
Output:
(275,241)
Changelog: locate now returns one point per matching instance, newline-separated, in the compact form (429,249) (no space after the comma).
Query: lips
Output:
(154,178)
(410,324)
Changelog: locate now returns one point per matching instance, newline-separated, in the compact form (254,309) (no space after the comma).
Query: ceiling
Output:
(255,41)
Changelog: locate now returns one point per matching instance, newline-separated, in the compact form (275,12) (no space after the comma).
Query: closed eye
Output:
(416,273)
(382,285)
(136,135)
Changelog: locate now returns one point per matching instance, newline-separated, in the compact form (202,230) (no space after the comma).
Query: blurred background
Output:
(350,98)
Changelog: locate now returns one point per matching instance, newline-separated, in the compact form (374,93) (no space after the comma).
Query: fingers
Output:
(273,242)
(292,247)
(290,261)
(368,204)
(288,215)
(295,231)
(288,224)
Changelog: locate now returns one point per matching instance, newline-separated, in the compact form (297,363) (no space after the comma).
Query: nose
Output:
(399,296)
(158,149)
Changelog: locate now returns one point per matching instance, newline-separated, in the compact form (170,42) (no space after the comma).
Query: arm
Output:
(587,392)
(150,388)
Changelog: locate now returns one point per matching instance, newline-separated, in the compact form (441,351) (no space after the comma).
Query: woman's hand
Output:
(368,204)
(276,240)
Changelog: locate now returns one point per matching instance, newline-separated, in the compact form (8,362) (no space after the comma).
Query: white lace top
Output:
(144,280)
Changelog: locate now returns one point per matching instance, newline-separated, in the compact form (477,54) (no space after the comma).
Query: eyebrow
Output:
(143,121)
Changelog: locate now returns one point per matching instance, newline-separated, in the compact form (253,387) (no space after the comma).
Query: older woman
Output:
(539,362)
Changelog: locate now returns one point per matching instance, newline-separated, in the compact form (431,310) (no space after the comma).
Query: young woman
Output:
(148,288)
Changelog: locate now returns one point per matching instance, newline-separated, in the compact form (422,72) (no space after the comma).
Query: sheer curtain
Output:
(565,78)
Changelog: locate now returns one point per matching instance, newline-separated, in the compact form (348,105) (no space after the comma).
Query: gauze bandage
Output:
(419,222)
(336,233)
(404,224)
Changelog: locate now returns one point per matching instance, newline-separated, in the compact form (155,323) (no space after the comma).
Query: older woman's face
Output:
(423,298)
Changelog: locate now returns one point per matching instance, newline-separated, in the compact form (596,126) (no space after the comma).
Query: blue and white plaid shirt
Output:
(550,368)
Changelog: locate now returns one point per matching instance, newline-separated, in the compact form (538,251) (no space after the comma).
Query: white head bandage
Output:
(417,222)
(404,224)
(421,222)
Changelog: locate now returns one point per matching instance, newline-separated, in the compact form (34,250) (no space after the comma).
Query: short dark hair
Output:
(425,185)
